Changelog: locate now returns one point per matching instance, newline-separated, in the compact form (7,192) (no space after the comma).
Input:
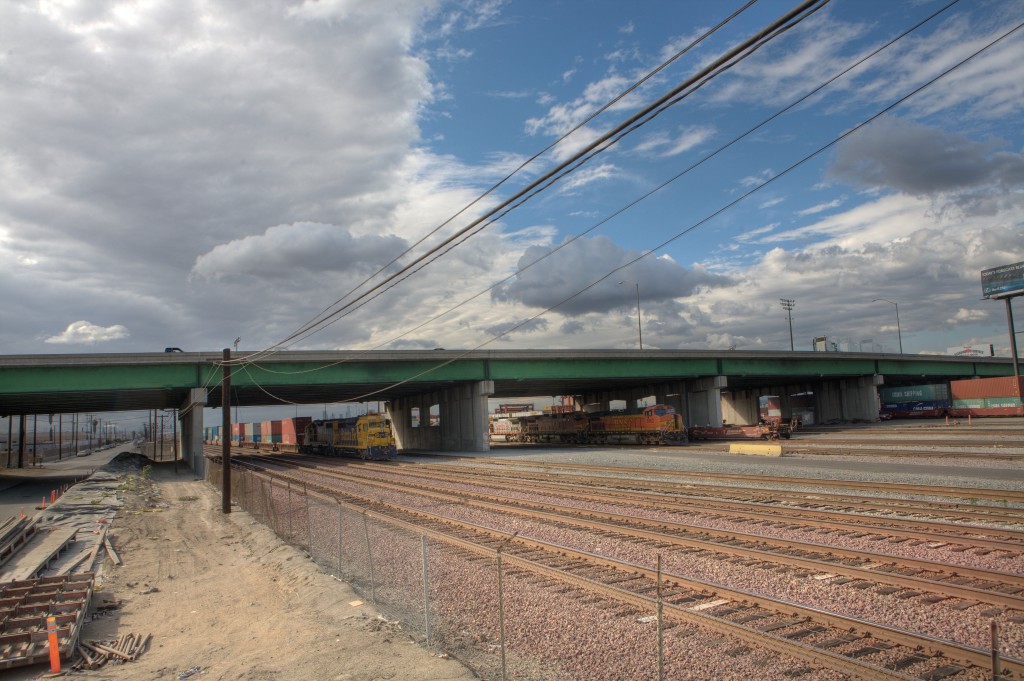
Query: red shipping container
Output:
(236,428)
(980,388)
(295,426)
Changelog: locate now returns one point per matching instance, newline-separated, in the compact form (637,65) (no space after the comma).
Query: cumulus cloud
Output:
(921,160)
(561,278)
(964,315)
(87,333)
(283,250)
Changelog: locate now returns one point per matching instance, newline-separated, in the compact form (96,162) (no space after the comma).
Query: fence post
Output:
(996,666)
(341,571)
(501,616)
(309,525)
(426,588)
(274,523)
(289,511)
(501,607)
(369,557)
(661,640)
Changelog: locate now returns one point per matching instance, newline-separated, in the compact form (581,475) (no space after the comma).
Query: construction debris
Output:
(95,654)
(24,606)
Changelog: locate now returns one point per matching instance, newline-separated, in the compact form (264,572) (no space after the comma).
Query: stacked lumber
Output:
(95,654)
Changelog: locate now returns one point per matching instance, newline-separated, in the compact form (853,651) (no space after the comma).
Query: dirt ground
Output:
(224,594)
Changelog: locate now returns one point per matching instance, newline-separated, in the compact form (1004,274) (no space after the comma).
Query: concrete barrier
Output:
(757,450)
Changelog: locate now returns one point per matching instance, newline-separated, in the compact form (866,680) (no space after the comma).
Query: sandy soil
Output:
(222,593)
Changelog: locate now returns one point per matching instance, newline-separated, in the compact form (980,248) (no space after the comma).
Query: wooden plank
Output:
(110,551)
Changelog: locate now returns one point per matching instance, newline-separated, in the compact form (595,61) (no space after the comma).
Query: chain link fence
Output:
(502,621)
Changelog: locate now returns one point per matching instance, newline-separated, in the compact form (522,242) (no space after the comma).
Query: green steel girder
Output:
(63,383)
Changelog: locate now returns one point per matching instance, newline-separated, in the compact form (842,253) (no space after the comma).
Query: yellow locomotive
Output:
(366,437)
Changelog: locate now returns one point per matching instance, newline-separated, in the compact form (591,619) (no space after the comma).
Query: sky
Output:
(182,173)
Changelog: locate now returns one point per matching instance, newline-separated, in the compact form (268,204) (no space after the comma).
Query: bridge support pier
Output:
(462,419)
(191,417)
(704,401)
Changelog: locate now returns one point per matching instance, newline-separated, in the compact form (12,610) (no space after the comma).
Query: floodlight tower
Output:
(787,305)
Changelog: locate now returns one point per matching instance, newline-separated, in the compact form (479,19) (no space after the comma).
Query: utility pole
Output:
(225,440)
(787,305)
(21,441)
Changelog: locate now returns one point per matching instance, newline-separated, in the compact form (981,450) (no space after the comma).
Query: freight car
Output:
(367,437)
(656,425)
(504,428)
(772,430)
(977,397)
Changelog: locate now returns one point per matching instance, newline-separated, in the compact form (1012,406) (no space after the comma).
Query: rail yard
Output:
(886,551)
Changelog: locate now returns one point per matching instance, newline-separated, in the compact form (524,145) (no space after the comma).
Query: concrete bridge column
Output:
(704,401)
(740,407)
(191,417)
(860,398)
(423,435)
(464,417)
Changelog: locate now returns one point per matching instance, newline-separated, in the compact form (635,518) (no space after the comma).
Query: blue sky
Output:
(185,173)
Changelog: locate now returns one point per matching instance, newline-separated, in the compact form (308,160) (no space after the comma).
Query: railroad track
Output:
(1006,496)
(913,576)
(775,500)
(806,633)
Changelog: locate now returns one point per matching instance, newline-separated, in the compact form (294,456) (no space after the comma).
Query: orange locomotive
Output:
(657,425)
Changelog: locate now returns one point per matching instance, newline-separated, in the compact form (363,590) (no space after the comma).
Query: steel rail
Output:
(856,669)
(939,648)
(1007,495)
(1013,540)
(624,524)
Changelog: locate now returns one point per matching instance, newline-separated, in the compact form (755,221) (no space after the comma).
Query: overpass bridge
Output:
(703,384)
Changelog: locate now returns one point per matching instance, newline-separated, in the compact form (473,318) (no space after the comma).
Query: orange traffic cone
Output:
(44,502)
(53,495)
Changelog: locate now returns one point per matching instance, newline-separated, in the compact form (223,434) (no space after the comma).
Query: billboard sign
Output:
(1003,282)
(985,350)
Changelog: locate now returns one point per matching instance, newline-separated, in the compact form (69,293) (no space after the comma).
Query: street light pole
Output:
(899,332)
(787,305)
(639,330)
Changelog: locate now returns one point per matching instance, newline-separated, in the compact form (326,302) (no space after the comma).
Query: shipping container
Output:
(769,408)
(977,403)
(914,393)
(1001,402)
(987,411)
(805,415)
(1004,386)
(922,408)
(293,430)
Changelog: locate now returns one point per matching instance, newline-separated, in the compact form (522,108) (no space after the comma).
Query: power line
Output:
(537,155)
(708,217)
(736,53)
(651,192)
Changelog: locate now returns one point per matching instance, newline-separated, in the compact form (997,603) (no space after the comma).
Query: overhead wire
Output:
(654,190)
(704,220)
(794,15)
(619,97)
